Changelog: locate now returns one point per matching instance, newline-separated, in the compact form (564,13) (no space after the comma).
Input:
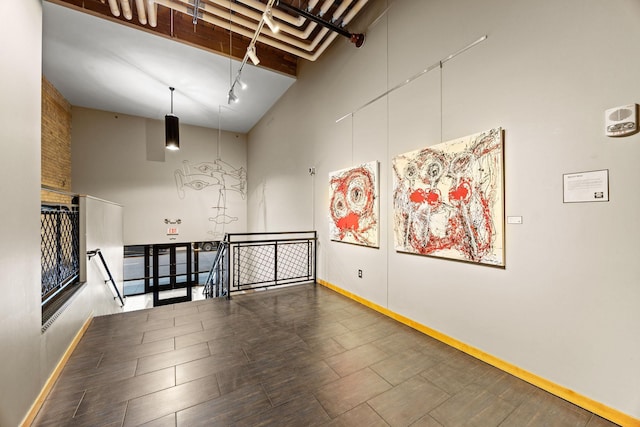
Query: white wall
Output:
(122,158)
(566,306)
(28,356)
(102,228)
(20,371)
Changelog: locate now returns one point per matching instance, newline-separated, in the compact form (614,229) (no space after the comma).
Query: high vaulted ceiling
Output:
(122,55)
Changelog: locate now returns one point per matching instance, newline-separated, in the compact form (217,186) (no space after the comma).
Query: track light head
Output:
(232,97)
(267,17)
(251,51)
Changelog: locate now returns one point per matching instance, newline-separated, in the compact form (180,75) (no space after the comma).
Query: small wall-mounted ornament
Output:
(621,121)
(172,221)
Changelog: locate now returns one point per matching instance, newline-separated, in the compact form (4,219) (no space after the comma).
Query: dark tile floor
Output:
(299,356)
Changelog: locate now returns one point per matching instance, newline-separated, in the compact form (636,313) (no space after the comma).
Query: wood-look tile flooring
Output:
(300,356)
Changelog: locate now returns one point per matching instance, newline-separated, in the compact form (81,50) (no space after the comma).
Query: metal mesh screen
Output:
(261,260)
(273,263)
(294,261)
(59,247)
(254,264)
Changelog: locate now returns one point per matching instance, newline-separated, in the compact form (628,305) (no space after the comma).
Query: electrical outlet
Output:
(360,274)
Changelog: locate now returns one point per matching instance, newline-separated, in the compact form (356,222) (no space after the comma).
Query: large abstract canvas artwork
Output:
(353,206)
(448,200)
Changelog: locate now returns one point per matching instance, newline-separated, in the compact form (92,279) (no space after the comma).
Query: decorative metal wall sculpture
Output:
(353,208)
(220,176)
(448,199)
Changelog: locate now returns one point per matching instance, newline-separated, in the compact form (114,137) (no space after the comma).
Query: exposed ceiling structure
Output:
(96,55)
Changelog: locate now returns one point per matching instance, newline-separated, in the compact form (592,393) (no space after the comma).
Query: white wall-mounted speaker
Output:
(621,121)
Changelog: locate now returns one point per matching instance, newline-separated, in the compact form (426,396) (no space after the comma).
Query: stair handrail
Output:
(213,278)
(98,252)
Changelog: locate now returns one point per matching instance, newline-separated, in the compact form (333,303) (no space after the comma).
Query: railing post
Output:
(219,280)
(315,256)
(59,265)
(147,268)
(309,259)
(196,265)
(228,278)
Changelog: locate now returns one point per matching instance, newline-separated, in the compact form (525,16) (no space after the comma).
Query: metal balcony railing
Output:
(59,251)
(59,248)
(247,261)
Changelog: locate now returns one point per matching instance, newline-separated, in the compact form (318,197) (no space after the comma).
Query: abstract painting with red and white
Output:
(448,199)
(353,205)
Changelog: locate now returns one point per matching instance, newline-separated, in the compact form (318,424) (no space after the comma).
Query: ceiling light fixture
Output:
(232,97)
(242,83)
(267,17)
(171,128)
(251,52)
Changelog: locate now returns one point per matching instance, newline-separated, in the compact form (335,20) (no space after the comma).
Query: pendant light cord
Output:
(172,89)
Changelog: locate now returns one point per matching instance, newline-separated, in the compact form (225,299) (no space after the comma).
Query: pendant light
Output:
(171,128)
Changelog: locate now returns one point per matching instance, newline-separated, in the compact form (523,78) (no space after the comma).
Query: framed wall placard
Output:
(353,207)
(583,187)
(448,199)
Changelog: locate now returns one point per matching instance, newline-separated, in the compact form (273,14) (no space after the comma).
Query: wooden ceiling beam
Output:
(203,35)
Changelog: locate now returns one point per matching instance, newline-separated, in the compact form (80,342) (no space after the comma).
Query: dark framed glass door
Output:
(172,277)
